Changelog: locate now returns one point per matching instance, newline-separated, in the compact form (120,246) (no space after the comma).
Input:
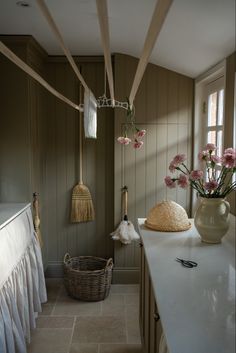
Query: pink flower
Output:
(230,151)
(211,185)
(216,159)
(123,140)
(196,174)
(172,167)
(170,183)
(137,144)
(218,170)
(178,159)
(210,147)
(140,133)
(183,181)
(229,160)
(203,156)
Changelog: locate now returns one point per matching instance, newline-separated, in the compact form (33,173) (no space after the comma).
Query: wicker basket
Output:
(87,278)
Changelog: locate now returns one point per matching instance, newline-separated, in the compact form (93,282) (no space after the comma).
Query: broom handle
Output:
(80,141)
(125,196)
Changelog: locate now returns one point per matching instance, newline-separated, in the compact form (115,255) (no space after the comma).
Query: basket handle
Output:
(109,262)
(66,258)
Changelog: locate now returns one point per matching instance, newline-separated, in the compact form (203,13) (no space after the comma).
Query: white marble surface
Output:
(196,306)
(8,211)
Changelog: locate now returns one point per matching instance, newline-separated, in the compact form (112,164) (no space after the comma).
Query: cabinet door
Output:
(142,289)
(146,313)
(152,322)
(158,330)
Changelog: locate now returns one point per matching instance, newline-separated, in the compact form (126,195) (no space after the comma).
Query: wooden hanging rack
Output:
(159,15)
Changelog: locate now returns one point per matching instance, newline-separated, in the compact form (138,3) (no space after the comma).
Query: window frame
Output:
(211,87)
(198,141)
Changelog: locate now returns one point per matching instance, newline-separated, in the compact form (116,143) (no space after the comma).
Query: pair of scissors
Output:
(187,263)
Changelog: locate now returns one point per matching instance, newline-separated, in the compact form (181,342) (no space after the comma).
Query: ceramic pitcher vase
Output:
(212,219)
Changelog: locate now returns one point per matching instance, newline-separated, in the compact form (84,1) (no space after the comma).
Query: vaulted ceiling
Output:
(196,34)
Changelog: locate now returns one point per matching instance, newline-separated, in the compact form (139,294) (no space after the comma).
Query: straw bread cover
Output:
(168,216)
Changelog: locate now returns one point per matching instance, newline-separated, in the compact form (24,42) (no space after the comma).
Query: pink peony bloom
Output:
(137,144)
(183,181)
(140,133)
(178,159)
(203,156)
(196,174)
(210,147)
(123,140)
(170,182)
(216,159)
(172,167)
(211,185)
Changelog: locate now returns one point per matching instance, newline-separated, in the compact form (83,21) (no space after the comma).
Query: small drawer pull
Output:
(156,317)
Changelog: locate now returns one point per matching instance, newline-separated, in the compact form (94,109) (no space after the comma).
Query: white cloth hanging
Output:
(90,115)
(22,283)
(162,345)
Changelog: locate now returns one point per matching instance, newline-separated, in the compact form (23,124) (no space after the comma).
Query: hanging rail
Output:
(43,7)
(104,29)
(23,66)
(160,12)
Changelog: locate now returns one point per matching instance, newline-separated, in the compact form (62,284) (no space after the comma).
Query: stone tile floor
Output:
(70,326)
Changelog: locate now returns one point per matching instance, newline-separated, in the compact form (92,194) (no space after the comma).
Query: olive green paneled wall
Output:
(39,149)
(20,128)
(61,168)
(39,152)
(163,106)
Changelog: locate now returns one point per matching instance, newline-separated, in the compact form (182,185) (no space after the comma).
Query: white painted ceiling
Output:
(196,34)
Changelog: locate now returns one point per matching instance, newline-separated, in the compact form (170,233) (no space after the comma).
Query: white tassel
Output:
(125,233)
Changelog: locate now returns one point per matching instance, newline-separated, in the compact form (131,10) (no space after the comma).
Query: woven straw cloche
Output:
(168,216)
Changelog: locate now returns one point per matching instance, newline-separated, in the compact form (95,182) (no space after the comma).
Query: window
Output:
(208,114)
(214,113)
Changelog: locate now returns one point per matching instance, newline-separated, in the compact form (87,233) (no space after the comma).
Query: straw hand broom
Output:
(82,209)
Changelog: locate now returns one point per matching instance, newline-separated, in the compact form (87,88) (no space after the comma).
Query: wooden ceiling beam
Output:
(26,68)
(159,15)
(105,38)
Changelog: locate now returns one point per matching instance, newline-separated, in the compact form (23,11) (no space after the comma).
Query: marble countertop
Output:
(196,306)
(8,211)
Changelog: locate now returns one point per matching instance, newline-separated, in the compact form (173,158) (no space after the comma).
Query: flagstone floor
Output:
(70,326)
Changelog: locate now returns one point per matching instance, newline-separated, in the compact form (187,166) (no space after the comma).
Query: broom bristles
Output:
(82,209)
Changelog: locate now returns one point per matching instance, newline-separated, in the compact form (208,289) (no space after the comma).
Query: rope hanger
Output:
(104,102)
